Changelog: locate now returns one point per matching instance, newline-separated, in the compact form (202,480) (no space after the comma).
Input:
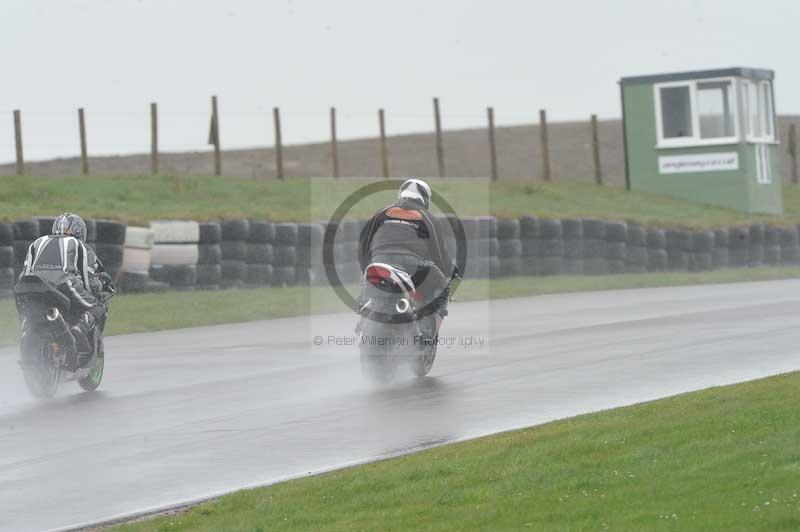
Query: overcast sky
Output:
(115,57)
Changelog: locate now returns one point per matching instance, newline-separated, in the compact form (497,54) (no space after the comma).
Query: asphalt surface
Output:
(191,413)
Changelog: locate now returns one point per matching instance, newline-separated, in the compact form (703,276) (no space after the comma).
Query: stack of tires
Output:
(790,245)
(174,253)
(756,251)
(656,250)
(636,250)
(529,240)
(772,246)
(109,245)
(572,234)
(309,270)
(235,234)
(260,253)
(679,245)
(136,259)
(594,247)
(702,255)
(25,232)
(551,247)
(738,247)
(509,246)
(345,250)
(7,260)
(616,246)
(719,253)
(209,256)
(478,267)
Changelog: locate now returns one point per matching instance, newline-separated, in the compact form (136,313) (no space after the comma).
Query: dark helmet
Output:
(415,189)
(70,224)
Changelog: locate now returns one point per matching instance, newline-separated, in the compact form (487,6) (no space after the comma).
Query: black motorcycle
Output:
(48,351)
(396,329)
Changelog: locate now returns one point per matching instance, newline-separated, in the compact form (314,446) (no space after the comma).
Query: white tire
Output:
(175,231)
(136,260)
(174,254)
(139,237)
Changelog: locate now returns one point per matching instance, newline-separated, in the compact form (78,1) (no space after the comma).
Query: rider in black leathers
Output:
(63,259)
(406,236)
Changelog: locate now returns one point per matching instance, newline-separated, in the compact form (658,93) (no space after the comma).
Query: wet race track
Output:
(187,414)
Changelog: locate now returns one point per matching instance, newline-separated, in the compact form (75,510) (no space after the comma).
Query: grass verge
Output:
(720,459)
(139,199)
(173,310)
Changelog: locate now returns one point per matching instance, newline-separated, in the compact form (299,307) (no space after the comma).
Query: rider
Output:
(63,257)
(406,236)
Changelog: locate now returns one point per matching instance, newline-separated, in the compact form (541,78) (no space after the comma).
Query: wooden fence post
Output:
(439,146)
(492,149)
(334,146)
(154,138)
(84,151)
(18,142)
(545,146)
(214,137)
(598,172)
(276,115)
(384,151)
(792,148)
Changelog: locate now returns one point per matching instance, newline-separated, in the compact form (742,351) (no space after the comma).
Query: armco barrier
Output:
(185,254)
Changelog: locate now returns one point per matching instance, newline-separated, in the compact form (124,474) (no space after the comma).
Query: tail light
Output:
(377,275)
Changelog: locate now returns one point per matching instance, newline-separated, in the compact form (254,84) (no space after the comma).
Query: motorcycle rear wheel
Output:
(378,363)
(92,381)
(424,362)
(42,376)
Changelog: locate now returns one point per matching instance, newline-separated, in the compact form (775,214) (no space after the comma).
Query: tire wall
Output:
(174,254)
(185,255)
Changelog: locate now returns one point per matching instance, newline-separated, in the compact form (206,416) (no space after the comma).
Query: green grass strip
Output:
(720,459)
(173,310)
(139,199)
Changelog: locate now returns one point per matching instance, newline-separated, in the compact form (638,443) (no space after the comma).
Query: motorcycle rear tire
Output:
(41,377)
(92,381)
(424,362)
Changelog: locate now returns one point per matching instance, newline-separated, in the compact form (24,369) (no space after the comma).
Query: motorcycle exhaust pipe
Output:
(402,306)
(52,314)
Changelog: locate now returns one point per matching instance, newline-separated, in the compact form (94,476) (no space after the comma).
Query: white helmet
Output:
(415,189)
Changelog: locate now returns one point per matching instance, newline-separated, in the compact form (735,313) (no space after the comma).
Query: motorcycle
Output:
(394,330)
(48,351)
